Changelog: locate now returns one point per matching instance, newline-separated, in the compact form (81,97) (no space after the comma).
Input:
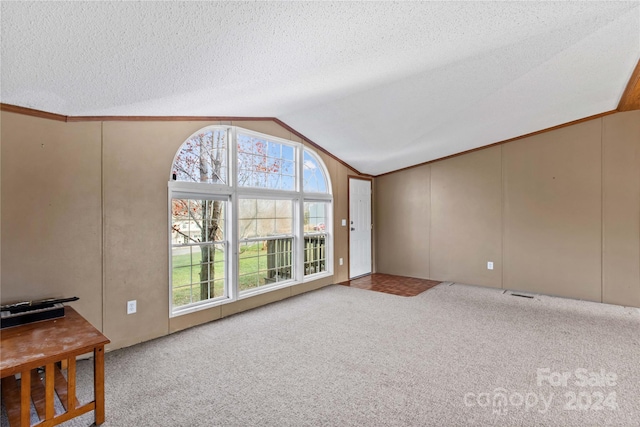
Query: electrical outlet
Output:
(341,261)
(131,307)
(490,265)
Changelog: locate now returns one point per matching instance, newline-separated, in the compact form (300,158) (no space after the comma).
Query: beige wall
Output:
(621,209)
(84,212)
(51,212)
(552,207)
(402,215)
(558,213)
(475,214)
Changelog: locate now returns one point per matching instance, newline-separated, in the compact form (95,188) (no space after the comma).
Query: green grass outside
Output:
(252,273)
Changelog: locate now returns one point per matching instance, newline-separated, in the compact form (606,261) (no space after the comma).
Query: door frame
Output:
(362,178)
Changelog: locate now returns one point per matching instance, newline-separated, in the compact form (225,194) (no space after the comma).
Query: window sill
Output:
(252,293)
(266,289)
(281,285)
(316,276)
(199,307)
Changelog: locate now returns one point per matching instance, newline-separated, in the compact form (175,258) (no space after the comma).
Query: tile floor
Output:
(390,284)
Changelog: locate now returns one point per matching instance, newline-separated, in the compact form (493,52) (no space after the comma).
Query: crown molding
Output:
(31,112)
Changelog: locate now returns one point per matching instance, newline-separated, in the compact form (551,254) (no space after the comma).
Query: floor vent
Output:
(522,296)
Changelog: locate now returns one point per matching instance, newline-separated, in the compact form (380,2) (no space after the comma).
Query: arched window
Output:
(316,213)
(314,178)
(203,157)
(249,213)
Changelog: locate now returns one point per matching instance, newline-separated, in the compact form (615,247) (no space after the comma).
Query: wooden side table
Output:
(48,344)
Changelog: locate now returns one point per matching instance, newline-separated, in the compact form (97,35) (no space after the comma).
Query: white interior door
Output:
(360,227)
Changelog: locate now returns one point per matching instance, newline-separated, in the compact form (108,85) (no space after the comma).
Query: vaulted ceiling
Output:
(381,85)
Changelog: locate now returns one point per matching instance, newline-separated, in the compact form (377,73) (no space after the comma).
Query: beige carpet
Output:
(455,355)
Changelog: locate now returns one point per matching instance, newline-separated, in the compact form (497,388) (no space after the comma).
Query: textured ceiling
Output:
(381,85)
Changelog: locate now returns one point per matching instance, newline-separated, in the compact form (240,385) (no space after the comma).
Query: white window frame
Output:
(295,278)
(232,193)
(328,230)
(229,261)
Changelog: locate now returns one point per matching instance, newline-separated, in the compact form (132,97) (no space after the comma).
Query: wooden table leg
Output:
(71,383)
(25,398)
(98,378)
(49,384)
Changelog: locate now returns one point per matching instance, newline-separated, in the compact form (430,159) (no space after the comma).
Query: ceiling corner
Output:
(630,99)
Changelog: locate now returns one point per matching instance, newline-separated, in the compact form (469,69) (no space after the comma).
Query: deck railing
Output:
(279,259)
(280,254)
(315,254)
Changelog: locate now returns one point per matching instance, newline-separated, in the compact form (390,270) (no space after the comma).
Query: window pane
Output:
(315,216)
(315,238)
(195,221)
(266,227)
(248,228)
(249,265)
(274,150)
(264,263)
(213,219)
(181,257)
(264,218)
(274,181)
(262,163)
(181,276)
(314,180)
(284,209)
(203,158)
(288,168)
(287,182)
(315,254)
(266,208)
(182,295)
(198,250)
(287,152)
(247,208)
(179,221)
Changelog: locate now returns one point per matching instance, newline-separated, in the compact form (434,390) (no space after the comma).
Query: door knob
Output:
(353,229)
